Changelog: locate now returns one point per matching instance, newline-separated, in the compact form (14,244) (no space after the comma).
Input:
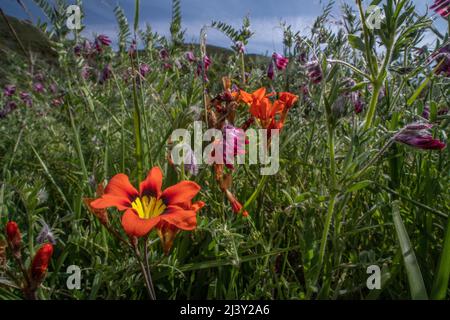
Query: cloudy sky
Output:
(265,16)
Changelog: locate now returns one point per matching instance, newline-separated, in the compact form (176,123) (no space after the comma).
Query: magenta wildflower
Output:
(417,135)
(442,56)
(26,98)
(103,40)
(280,61)
(77,50)
(9,90)
(9,107)
(358,102)
(270,71)
(239,46)
(53,88)
(314,71)
(144,69)
(441,7)
(206,62)
(234,142)
(38,87)
(189,55)
(105,74)
(164,54)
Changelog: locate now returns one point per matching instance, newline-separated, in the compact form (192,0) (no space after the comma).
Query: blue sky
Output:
(265,16)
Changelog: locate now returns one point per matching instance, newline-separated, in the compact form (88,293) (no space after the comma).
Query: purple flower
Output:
(77,50)
(190,162)
(417,135)
(441,7)
(426,112)
(314,71)
(189,55)
(26,98)
(302,58)
(45,235)
(38,87)
(270,71)
(442,56)
(9,107)
(358,102)
(9,90)
(240,47)
(206,62)
(53,88)
(103,40)
(234,142)
(144,69)
(105,74)
(280,61)
(164,54)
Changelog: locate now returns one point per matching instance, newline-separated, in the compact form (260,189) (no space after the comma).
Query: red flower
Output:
(40,263)
(148,208)
(13,234)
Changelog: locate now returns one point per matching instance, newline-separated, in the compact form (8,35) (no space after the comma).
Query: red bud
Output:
(40,262)
(14,236)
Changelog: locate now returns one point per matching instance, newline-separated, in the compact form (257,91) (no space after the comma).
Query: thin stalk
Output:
(148,268)
(144,271)
(242,68)
(372,106)
(137,130)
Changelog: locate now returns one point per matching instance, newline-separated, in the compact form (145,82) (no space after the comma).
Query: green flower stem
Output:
(137,130)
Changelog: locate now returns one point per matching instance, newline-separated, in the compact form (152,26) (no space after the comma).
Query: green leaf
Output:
(359,185)
(356,42)
(416,284)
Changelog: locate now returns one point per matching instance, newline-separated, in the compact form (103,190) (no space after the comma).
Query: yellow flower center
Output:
(148,207)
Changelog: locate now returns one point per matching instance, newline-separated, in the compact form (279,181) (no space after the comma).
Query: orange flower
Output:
(150,207)
(236,206)
(167,231)
(288,99)
(260,106)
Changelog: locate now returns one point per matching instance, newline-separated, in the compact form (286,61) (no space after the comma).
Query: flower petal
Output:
(135,226)
(120,186)
(106,201)
(180,218)
(181,192)
(152,184)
